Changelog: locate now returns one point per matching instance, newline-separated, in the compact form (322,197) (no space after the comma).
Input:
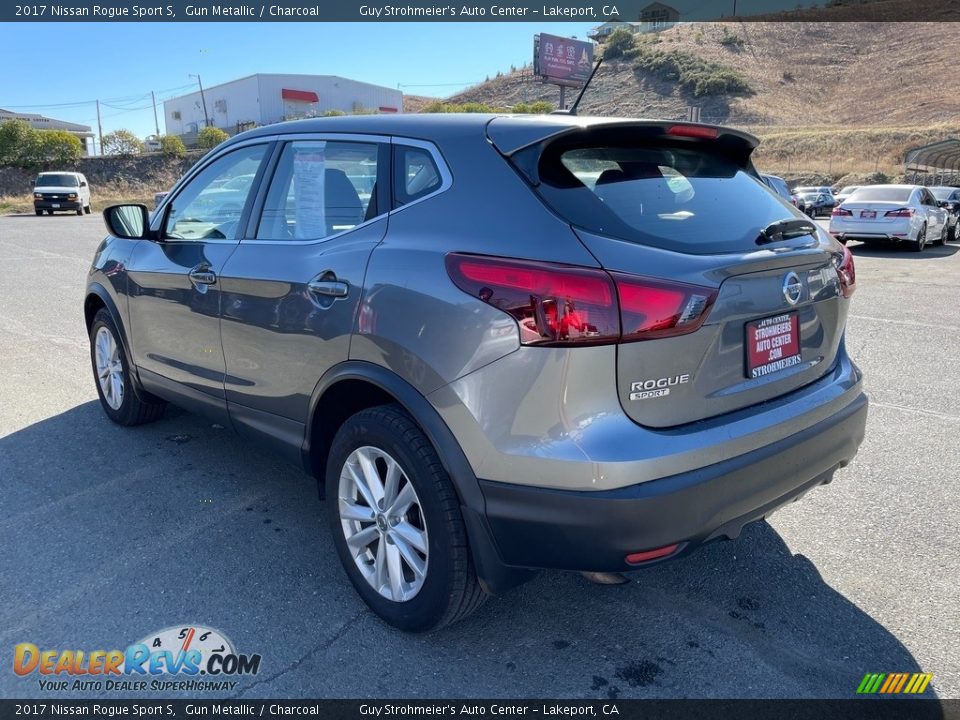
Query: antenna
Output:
(576,103)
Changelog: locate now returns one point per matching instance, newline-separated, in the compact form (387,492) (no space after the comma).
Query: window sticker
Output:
(309,176)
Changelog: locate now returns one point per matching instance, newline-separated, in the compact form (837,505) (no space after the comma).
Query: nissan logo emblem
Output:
(792,288)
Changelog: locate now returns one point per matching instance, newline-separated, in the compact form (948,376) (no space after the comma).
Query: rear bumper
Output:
(890,231)
(595,530)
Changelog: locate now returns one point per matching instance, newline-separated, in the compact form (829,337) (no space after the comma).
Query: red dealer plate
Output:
(773,344)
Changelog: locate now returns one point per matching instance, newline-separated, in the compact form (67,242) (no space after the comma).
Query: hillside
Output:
(800,74)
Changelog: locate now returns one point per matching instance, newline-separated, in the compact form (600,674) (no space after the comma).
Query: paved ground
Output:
(109,534)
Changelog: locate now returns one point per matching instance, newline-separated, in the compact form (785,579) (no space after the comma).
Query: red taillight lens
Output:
(902,212)
(847,273)
(562,304)
(648,555)
(693,131)
(551,303)
(651,308)
(841,212)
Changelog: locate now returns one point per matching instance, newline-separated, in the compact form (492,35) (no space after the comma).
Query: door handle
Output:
(203,276)
(328,287)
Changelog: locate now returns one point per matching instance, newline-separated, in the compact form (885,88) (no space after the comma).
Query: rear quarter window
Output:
(682,198)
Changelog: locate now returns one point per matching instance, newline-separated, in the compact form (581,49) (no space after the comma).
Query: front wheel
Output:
(121,397)
(396,522)
(39,212)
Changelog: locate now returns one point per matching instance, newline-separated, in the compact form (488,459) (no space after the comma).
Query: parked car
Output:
(815,202)
(949,199)
(61,190)
(587,344)
(779,186)
(845,192)
(891,213)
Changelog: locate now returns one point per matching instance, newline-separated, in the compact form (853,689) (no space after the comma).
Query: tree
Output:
(620,44)
(122,142)
(172,146)
(210,137)
(16,142)
(56,147)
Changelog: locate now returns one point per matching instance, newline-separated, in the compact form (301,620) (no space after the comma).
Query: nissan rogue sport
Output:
(499,343)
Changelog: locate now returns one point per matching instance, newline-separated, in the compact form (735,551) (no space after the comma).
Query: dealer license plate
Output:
(868,214)
(773,344)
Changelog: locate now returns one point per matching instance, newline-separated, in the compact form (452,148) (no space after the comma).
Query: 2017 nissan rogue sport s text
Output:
(499,343)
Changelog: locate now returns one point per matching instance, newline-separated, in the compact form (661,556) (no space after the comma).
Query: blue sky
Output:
(64,67)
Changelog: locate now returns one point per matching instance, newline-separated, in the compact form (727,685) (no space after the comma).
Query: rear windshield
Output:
(847,190)
(675,197)
(942,193)
(881,194)
(58,179)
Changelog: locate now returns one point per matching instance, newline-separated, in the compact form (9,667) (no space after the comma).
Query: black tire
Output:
(80,210)
(39,212)
(943,237)
(137,406)
(49,212)
(918,244)
(86,209)
(450,589)
(952,233)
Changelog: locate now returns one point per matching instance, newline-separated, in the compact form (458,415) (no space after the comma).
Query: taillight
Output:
(841,212)
(652,308)
(693,131)
(847,273)
(564,305)
(902,212)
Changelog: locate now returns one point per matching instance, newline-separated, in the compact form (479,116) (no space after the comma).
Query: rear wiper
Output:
(784,230)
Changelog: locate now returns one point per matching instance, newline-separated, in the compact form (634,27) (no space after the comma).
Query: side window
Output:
(209,206)
(320,188)
(415,174)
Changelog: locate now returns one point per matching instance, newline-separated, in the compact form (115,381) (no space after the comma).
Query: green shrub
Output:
(24,147)
(694,75)
(210,137)
(172,145)
(540,107)
(58,147)
(333,113)
(16,140)
(121,142)
(438,106)
(620,44)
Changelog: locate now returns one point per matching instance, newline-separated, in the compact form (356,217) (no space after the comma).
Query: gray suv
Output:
(499,343)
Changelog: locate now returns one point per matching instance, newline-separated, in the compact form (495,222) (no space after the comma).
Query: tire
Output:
(39,212)
(952,233)
(80,211)
(918,244)
(943,237)
(49,212)
(135,405)
(86,209)
(448,589)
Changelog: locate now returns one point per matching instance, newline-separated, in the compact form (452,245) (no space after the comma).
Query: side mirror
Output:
(128,221)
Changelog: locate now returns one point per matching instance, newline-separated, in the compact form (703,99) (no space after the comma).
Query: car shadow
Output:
(112,533)
(902,251)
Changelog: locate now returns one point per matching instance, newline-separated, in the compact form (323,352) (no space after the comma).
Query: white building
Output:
(264,98)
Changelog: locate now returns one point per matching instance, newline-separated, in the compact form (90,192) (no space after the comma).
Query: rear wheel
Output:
(396,522)
(86,209)
(952,233)
(943,236)
(121,397)
(921,240)
(39,212)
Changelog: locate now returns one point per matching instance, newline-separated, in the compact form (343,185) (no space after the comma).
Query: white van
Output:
(55,191)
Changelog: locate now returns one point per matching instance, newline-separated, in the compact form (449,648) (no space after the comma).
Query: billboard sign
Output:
(562,59)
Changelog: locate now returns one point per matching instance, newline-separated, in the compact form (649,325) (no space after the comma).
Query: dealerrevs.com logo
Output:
(186,658)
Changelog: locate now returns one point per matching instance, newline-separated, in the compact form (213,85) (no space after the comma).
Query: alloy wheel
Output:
(383,523)
(109,368)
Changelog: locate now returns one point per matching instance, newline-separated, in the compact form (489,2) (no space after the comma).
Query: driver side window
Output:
(209,207)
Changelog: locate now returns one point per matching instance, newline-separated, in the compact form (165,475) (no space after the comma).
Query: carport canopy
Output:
(937,163)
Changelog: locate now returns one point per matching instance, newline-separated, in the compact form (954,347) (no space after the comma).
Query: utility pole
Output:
(99,128)
(206,118)
(155,121)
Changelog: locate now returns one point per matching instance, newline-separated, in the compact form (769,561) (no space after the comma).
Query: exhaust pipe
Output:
(606,578)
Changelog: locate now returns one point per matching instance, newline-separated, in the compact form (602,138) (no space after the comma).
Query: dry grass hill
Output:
(835,98)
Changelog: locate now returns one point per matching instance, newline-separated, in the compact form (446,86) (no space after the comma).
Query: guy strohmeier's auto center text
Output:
(373,12)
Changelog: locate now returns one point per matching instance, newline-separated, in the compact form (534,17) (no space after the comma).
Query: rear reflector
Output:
(568,305)
(902,212)
(648,555)
(693,131)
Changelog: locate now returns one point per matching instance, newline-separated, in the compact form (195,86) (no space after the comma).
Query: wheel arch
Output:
(355,385)
(97,298)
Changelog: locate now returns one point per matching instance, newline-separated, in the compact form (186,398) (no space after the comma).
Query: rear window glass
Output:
(881,194)
(678,198)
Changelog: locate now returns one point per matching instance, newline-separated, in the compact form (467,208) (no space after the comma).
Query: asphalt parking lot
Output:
(110,534)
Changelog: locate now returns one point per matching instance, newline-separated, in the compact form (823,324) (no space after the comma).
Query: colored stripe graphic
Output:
(894,683)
